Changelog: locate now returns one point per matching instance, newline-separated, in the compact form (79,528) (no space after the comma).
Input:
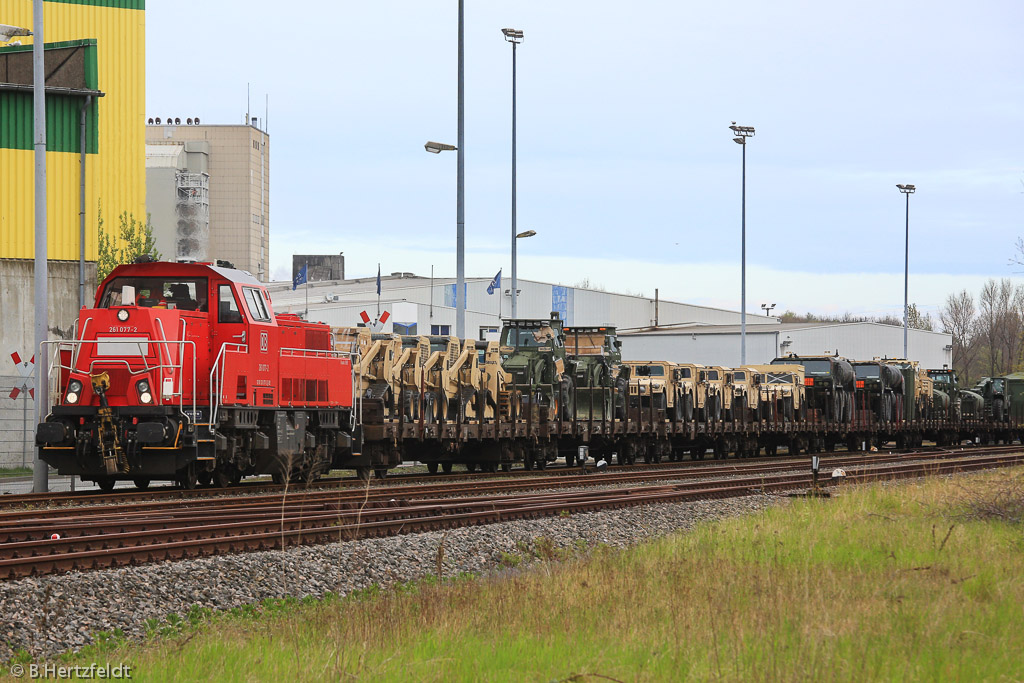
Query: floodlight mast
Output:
(742,133)
(907,190)
(514,36)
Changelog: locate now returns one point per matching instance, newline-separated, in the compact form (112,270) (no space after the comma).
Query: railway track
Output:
(118,535)
(258,487)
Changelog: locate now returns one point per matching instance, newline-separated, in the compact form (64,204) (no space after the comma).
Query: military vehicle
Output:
(533,356)
(1015,396)
(496,399)
(917,388)
(659,388)
(711,393)
(374,364)
(962,403)
(741,395)
(993,392)
(828,382)
(599,382)
(880,389)
(410,379)
(780,391)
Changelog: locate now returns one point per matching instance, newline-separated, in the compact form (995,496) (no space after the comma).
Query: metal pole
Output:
(743,266)
(81,202)
(906,281)
(460,217)
(515,281)
(40,474)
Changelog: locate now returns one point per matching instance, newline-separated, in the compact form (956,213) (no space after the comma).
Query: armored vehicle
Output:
(917,388)
(742,394)
(533,356)
(962,403)
(659,388)
(829,384)
(880,389)
(598,380)
(711,393)
(780,391)
(993,393)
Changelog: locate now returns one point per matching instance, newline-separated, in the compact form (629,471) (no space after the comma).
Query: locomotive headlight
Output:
(142,386)
(122,315)
(146,397)
(74,391)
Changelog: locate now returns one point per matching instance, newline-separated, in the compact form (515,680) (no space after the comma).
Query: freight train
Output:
(183,371)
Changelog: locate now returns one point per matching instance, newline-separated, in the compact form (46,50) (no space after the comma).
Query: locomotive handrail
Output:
(75,345)
(217,365)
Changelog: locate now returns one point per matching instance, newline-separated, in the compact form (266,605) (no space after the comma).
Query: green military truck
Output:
(599,382)
(533,357)
(880,389)
(828,383)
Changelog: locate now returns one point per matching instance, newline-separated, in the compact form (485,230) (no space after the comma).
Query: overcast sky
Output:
(626,167)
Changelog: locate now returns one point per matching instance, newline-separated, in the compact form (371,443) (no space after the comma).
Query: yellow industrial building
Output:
(103,42)
(96,60)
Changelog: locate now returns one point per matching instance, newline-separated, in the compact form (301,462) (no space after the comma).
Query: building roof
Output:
(757,329)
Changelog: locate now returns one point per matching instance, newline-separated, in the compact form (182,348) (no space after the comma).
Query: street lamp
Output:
(767,309)
(742,133)
(515,37)
(522,235)
(438,147)
(907,190)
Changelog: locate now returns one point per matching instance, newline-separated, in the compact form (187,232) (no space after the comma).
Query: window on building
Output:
(440,330)
(488,333)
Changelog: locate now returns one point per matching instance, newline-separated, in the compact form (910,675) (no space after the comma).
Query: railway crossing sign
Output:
(28,380)
(376,325)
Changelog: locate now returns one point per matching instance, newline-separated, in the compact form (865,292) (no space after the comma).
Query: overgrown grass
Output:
(882,583)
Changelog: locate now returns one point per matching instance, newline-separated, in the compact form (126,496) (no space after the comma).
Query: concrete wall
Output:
(17,311)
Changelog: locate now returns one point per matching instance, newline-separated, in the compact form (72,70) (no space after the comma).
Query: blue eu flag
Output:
(495,283)
(300,277)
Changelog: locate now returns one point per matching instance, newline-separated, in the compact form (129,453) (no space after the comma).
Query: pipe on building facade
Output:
(81,201)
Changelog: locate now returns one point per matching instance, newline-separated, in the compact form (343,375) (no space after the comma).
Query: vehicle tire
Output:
(567,395)
(141,484)
(432,467)
(997,409)
(106,484)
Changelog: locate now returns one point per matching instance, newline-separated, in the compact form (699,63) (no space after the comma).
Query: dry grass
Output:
(883,583)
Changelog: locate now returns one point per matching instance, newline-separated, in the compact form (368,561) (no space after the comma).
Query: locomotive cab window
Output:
(227,307)
(254,302)
(187,294)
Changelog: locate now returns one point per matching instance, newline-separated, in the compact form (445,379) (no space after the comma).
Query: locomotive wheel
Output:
(446,467)
(506,467)
(106,484)
(141,484)
(380,472)
(363,473)
(528,462)
(187,478)
(432,467)
(222,478)
(204,478)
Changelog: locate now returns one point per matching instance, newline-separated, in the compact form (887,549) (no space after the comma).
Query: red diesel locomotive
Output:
(183,371)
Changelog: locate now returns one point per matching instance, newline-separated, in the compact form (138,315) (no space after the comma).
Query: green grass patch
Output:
(910,582)
(15,471)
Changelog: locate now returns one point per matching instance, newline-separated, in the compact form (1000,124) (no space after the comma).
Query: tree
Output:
(136,239)
(959,319)
(919,321)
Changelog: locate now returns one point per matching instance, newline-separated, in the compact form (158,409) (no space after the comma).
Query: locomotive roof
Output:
(174,269)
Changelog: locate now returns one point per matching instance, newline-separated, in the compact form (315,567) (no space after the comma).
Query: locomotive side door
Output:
(230,330)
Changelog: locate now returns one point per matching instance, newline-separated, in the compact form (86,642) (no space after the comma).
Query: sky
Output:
(626,165)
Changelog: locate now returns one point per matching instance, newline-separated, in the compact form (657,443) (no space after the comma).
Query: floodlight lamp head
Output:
(740,141)
(527,233)
(906,189)
(512,35)
(438,147)
(742,131)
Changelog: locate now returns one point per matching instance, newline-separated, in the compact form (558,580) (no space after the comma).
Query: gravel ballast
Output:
(52,614)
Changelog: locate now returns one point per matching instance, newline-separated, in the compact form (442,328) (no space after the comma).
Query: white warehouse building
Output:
(720,344)
(421,305)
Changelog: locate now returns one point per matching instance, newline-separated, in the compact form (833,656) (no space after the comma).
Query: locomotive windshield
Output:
(188,294)
(866,371)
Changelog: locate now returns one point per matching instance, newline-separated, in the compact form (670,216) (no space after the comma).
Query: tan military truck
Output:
(449,370)
(741,395)
(409,377)
(662,389)
(373,365)
(493,390)
(780,391)
(711,395)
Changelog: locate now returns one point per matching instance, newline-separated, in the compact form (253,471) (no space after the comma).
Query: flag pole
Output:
(378,291)
(305,268)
